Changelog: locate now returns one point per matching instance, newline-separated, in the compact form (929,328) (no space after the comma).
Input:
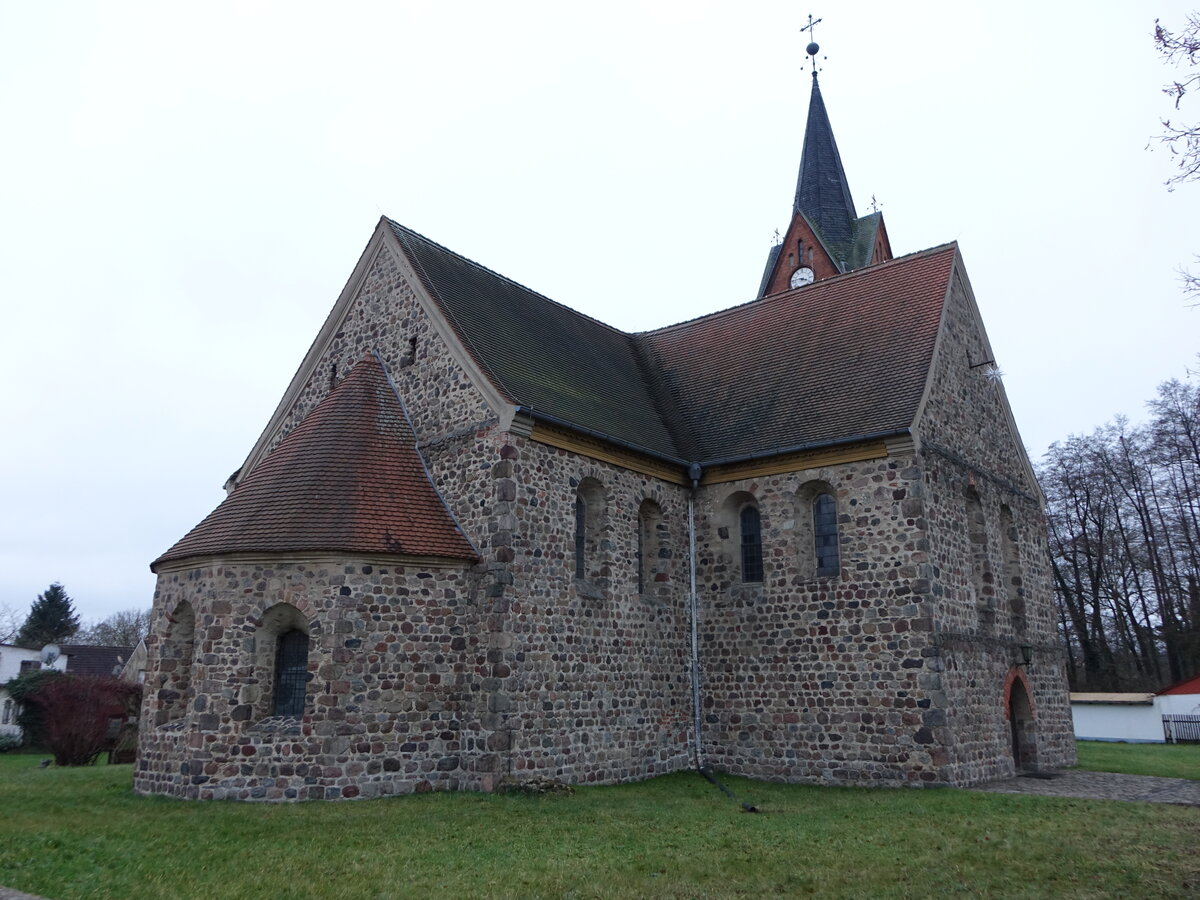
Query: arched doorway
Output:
(1021,722)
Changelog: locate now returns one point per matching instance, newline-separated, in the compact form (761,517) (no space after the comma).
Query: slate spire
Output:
(822,192)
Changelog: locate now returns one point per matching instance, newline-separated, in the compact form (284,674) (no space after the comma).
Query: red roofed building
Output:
(484,535)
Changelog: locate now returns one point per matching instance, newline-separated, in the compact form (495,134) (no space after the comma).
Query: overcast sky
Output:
(187,188)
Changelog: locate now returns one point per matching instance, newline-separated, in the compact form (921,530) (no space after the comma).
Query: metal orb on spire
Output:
(813,47)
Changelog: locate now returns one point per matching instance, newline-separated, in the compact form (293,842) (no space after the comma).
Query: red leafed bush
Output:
(77,712)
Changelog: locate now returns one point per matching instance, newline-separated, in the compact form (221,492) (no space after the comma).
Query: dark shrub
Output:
(78,714)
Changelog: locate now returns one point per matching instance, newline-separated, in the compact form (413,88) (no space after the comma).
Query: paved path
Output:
(1102,786)
(10,894)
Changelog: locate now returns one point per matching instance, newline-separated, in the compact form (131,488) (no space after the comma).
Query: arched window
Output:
(981,575)
(818,543)
(291,674)
(825,534)
(751,539)
(580,537)
(175,655)
(651,564)
(1010,559)
(282,644)
(590,525)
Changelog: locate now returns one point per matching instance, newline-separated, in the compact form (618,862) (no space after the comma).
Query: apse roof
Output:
(347,479)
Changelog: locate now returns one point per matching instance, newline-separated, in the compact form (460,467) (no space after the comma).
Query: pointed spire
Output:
(822,192)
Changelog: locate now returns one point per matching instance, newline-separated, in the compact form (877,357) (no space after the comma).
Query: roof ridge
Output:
(854,273)
(503,277)
(96,646)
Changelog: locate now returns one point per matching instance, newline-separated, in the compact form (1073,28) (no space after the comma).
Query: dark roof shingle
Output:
(840,359)
(88,659)
(541,354)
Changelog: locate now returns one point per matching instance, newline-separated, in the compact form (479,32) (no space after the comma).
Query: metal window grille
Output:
(291,673)
(751,527)
(580,536)
(825,532)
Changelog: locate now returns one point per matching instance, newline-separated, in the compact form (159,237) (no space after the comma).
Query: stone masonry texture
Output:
(899,669)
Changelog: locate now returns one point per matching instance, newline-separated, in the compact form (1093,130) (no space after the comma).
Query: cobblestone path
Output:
(1102,786)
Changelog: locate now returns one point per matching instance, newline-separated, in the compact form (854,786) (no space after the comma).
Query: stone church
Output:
(484,536)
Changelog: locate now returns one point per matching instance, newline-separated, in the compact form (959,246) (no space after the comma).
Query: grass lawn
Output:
(81,833)
(1166,760)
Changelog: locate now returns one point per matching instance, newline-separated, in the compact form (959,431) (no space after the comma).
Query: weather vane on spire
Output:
(813,47)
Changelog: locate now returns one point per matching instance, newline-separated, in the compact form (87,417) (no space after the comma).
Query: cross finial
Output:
(874,204)
(813,47)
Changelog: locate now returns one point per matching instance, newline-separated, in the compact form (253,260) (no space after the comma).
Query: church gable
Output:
(799,259)
(385,309)
(964,406)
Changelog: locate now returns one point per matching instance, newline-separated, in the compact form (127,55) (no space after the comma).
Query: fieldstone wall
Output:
(593,681)
(811,678)
(992,580)
(894,670)
(395,661)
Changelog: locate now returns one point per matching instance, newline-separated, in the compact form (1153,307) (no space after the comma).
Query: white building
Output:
(1137,718)
(13,662)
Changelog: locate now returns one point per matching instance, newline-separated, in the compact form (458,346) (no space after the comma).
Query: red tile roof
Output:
(1187,686)
(843,358)
(346,479)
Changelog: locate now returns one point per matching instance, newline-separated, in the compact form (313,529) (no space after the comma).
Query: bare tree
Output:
(121,629)
(1181,49)
(1123,509)
(10,623)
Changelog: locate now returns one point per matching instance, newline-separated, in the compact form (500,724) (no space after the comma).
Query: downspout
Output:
(694,473)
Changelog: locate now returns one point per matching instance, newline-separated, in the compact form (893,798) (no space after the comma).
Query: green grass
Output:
(81,833)
(1164,760)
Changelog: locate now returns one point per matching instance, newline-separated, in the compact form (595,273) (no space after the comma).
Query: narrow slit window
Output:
(751,528)
(825,534)
(580,536)
(291,674)
(641,554)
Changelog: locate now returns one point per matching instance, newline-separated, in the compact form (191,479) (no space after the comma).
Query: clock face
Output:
(802,276)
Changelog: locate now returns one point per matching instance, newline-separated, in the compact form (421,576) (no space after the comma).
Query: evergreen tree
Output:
(51,619)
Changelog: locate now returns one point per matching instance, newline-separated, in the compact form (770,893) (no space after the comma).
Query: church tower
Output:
(826,236)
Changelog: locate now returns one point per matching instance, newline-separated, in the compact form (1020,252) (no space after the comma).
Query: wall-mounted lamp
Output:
(1026,654)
